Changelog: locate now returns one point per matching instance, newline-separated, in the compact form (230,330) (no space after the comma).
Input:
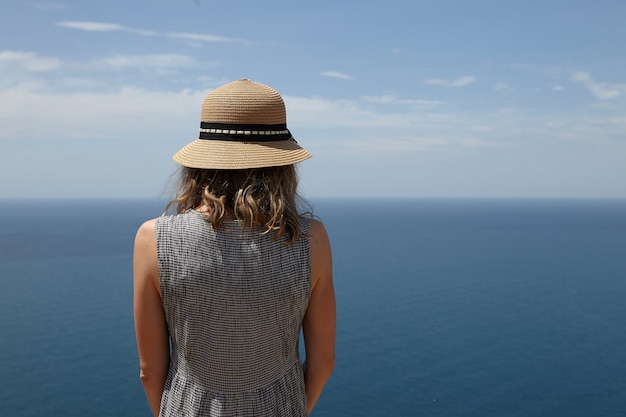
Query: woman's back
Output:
(234,301)
(219,304)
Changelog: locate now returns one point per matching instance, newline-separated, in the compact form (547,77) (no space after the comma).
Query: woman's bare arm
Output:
(319,321)
(150,325)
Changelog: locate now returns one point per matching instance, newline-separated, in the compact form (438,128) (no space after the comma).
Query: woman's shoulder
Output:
(147,228)
(146,234)
(159,225)
(315,226)
(317,232)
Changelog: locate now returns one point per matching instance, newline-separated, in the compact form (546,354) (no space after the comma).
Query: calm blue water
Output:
(446,308)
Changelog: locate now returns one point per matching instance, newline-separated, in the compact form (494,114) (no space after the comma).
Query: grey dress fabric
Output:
(234,301)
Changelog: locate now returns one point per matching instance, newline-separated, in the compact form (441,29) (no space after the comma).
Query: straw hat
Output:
(243,124)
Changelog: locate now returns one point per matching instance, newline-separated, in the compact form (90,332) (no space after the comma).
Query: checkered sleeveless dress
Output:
(234,303)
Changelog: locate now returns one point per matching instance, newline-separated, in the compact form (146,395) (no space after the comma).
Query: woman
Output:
(223,287)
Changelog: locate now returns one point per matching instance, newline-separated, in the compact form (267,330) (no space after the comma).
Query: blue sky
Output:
(424,98)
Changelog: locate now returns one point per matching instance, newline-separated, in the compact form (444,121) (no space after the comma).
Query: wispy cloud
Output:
(28,61)
(199,37)
(354,114)
(602,91)
(383,145)
(119,62)
(392,99)
(336,74)
(458,82)
(103,27)
(92,26)
(619,120)
(481,128)
(48,6)
(127,112)
(114,27)
(546,70)
(503,88)
(373,122)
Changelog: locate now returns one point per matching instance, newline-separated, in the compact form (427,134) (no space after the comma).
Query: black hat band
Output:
(244,132)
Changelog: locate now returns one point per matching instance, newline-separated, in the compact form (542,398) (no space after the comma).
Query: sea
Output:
(446,307)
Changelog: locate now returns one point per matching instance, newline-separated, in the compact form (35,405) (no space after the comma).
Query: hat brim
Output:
(219,154)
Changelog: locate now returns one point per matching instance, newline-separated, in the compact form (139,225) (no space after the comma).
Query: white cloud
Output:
(557,88)
(119,61)
(547,70)
(481,128)
(114,27)
(458,82)
(199,37)
(619,120)
(472,142)
(49,6)
(92,26)
(336,74)
(310,112)
(102,27)
(554,124)
(28,61)
(602,91)
(319,113)
(27,111)
(502,88)
(361,127)
(402,143)
(392,99)
(392,145)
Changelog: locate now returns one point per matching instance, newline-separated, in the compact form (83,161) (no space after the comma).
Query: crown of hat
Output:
(243,125)
(244,102)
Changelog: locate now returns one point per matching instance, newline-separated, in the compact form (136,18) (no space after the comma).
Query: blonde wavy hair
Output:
(264,198)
